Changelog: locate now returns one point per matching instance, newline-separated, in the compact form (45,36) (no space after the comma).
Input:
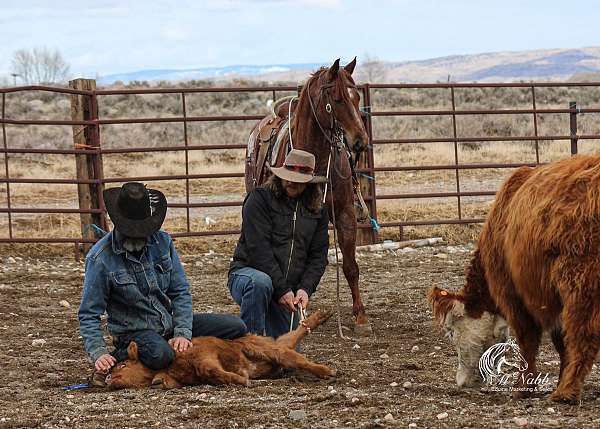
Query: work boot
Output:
(98,379)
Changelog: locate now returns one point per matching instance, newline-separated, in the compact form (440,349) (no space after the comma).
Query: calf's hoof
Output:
(157,383)
(565,397)
(325,372)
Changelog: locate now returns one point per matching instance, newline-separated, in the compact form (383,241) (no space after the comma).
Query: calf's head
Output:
(130,372)
(471,336)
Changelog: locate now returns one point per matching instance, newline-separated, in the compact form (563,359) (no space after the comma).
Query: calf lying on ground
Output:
(215,361)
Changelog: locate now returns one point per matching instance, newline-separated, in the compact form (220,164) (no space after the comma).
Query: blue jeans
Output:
(155,352)
(253,291)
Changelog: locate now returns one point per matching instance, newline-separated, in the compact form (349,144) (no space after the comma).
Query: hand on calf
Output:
(180,344)
(105,362)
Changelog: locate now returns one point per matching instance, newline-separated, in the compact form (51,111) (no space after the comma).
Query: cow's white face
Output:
(472,337)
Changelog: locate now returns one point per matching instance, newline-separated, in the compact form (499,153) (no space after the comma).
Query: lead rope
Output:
(302,315)
(335,242)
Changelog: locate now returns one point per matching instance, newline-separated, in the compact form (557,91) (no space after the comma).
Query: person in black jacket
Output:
(282,250)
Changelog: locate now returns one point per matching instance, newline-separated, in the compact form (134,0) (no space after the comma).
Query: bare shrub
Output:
(40,65)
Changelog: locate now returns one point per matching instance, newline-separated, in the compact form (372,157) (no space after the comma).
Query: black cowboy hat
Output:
(136,211)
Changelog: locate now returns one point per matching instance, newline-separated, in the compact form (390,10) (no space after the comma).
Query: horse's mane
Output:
(339,83)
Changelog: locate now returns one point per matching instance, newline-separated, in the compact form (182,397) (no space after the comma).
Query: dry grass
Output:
(51,106)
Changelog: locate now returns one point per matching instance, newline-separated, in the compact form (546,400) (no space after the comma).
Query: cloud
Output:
(325,4)
(239,4)
(174,33)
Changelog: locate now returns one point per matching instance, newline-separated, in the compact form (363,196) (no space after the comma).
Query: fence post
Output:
(88,166)
(573,124)
(367,184)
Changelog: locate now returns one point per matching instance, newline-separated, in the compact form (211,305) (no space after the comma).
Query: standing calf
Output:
(537,266)
(215,361)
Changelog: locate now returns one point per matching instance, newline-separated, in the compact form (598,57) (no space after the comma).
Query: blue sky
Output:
(112,36)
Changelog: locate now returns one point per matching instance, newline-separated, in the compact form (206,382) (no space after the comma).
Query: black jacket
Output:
(283,239)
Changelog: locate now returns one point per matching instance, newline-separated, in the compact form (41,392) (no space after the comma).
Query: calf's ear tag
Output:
(443,293)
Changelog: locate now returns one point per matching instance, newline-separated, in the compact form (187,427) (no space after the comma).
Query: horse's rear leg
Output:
(346,229)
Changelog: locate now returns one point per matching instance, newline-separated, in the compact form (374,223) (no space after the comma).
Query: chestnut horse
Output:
(326,121)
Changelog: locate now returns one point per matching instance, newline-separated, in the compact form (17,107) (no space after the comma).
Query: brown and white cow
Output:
(215,361)
(537,266)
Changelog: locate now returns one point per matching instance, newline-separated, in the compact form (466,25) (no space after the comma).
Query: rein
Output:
(335,137)
(337,262)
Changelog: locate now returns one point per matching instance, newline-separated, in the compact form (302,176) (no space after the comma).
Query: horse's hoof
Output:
(363,330)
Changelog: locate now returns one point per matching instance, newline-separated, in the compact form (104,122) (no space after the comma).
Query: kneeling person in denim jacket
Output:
(134,274)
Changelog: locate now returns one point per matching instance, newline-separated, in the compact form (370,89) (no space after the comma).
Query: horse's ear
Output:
(333,70)
(350,66)
(441,302)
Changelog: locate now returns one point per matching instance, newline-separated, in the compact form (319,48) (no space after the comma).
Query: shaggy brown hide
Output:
(537,265)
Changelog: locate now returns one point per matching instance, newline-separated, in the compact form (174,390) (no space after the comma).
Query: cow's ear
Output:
(132,351)
(442,302)
(350,66)
(333,70)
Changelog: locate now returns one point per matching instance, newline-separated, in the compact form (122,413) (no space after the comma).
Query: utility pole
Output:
(15,75)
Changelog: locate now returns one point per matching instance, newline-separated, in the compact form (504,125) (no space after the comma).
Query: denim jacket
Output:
(149,293)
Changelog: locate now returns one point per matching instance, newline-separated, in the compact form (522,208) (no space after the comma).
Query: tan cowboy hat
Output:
(298,167)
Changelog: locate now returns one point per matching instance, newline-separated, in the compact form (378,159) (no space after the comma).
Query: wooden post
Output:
(573,126)
(88,167)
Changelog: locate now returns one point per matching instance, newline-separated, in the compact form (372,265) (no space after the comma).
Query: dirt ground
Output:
(405,369)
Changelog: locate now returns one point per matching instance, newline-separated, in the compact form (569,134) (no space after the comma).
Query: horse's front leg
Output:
(346,229)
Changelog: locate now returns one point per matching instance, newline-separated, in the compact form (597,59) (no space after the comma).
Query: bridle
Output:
(334,134)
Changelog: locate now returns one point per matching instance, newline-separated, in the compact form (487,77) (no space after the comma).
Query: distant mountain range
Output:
(547,64)
(227,72)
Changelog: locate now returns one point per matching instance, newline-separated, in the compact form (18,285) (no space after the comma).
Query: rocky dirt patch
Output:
(402,376)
